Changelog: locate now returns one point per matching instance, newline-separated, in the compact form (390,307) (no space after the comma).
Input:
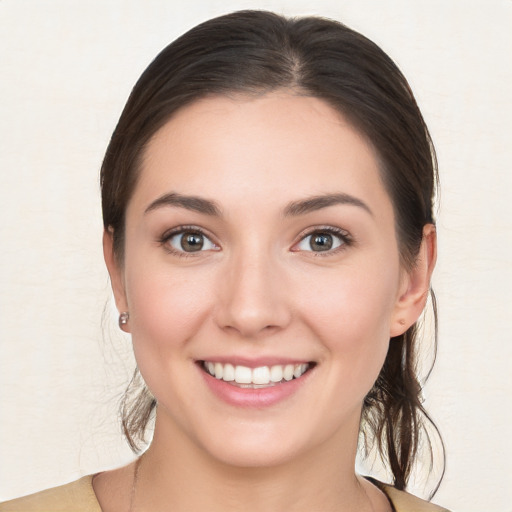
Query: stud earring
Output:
(123,319)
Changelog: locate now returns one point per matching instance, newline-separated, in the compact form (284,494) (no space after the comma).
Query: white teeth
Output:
(262,375)
(243,375)
(276,373)
(229,373)
(298,370)
(288,372)
(218,370)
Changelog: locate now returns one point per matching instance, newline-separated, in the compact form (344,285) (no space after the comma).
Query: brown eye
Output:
(190,241)
(323,241)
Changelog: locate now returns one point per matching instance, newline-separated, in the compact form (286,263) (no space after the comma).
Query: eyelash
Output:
(179,230)
(344,236)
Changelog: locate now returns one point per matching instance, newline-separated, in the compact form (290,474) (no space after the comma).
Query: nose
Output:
(252,298)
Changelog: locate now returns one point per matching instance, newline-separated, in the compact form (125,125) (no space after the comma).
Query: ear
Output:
(415,285)
(115,271)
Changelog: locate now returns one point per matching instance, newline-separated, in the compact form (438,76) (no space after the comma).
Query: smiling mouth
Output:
(255,378)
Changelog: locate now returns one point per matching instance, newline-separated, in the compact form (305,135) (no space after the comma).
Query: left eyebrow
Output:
(194,203)
(315,203)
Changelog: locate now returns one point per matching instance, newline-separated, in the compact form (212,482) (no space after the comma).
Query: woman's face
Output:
(260,247)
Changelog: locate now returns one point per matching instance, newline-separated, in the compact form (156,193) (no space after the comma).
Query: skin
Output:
(259,290)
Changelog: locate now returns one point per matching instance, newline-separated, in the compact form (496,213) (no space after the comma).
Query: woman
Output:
(267,202)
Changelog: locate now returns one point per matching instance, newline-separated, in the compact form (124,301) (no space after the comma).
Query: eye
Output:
(323,240)
(189,241)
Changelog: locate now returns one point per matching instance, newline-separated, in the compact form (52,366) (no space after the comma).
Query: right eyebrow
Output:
(194,203)
(319,202)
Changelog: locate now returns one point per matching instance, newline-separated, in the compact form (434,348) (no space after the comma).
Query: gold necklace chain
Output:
(367,497)
(134,484)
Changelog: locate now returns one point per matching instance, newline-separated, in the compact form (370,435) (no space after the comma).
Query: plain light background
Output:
(66,70)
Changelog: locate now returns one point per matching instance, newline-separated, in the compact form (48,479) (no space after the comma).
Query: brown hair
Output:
(254,52)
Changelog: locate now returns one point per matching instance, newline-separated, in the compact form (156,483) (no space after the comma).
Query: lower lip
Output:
(255,398)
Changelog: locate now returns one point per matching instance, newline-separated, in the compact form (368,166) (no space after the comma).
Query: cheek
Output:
(351,315)
(352,303)
(166,309)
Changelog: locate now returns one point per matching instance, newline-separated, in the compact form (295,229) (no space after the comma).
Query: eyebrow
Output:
(295,208)
(194,203)
(315,203)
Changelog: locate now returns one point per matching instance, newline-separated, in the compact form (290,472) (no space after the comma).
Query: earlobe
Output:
(416,285)
(116,274)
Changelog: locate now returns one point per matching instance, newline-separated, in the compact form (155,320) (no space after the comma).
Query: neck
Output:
(179,476)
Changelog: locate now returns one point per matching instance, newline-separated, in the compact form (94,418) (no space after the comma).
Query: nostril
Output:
(250,301)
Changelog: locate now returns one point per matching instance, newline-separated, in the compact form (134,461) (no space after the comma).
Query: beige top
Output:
(79,496)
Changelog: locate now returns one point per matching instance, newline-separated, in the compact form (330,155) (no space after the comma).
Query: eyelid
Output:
(343,234)
(170,233)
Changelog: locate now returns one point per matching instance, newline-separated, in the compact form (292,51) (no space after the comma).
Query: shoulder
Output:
(404,502)
(77,496)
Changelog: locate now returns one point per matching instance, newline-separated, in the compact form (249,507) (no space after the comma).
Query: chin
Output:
(253,455)
(262,445)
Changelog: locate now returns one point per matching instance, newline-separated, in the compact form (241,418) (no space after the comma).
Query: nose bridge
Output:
(252,300)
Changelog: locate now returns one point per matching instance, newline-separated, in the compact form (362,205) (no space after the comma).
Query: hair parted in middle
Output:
(256,52)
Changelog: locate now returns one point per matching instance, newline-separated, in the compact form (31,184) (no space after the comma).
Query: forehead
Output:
(240,149)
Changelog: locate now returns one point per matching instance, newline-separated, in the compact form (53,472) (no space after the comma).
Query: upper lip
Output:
(255,362)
